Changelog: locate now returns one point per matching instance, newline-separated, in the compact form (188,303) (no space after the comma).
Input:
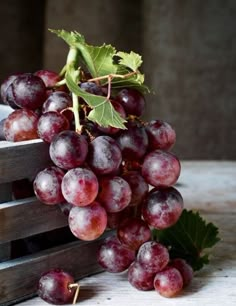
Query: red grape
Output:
(114,194)
(161,168)
(51,124)
(184,268)
(47,185)
(168,282)
(68,149)
(21,125)
(139,277)
(115,257)
(160,134)
(6,93)
(132,101)
(163,207)
(79,186)
(54,287)
(153,256)
(133,232)
(104,155)
(88,223)
(50,78)
(29,91)
(138,187)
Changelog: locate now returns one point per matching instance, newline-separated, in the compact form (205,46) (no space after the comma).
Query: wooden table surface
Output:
(209,187)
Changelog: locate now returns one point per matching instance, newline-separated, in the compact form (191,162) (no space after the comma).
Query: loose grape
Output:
(168,282)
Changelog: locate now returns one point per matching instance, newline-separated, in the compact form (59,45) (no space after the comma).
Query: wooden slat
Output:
(23,218)
(19,277)
(22,159)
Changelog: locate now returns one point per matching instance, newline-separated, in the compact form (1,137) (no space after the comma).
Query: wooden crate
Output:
(22,219)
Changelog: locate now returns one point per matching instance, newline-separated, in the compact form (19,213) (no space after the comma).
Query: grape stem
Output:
(77,286)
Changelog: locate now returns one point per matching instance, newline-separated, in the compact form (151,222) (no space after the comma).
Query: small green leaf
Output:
(102,112)
(130,60)
(189,238)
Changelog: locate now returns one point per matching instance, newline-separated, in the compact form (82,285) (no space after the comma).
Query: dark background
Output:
(188,48)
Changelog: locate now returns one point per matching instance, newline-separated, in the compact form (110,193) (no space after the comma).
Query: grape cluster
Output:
(104,177)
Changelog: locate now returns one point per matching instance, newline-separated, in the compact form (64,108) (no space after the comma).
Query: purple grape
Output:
(185,270)
(133,143)
(54,287)
(51,124)
(92,88)
(153,256)
(47,186)
(21,125)
(80,186)
(163,207)
(139,277)
(104,155)
(6,93)
(68,150)
(113,256)
(132,101)
(50,78)
(114,194)
(168,282)
(133,232)
(138,187)
(28,91)
(88,223)
(160,134)
(161,168)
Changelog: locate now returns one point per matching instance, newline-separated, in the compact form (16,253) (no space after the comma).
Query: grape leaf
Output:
(189,238)
(102,111)
(131,60)
(98,59)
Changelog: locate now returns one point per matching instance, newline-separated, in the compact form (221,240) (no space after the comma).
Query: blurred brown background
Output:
(188,48)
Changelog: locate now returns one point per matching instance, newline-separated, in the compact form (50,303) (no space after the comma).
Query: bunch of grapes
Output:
(104,177)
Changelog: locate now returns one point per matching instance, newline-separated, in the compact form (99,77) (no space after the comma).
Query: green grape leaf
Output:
(98,59)
(130,60)
(103,113)
(189,238)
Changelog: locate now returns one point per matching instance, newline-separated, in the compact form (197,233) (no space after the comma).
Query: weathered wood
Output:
(19,277)
(22,159)
(5,251)
(27,217)
(5,192)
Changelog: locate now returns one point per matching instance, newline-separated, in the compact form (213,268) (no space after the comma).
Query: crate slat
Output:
(19,277)
(23,218)
(22,159)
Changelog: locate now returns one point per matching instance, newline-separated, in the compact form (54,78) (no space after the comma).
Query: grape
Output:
(153,256)
(104,155)
(29,91)
(114,194)
(80,186)
(54,287)
(47,185)
(6,93)
(50,78)
(132,101)
(59,101)
(112,130)
(160,134)
(163,207)
(138,187)
(115,219)
(133,143)
(51,124)
(133,232)
(21,125)
(113,256)
(92,88)
(88,223)
(184,268)
(68,149)
(139,277)
(168,282)
(161,168)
